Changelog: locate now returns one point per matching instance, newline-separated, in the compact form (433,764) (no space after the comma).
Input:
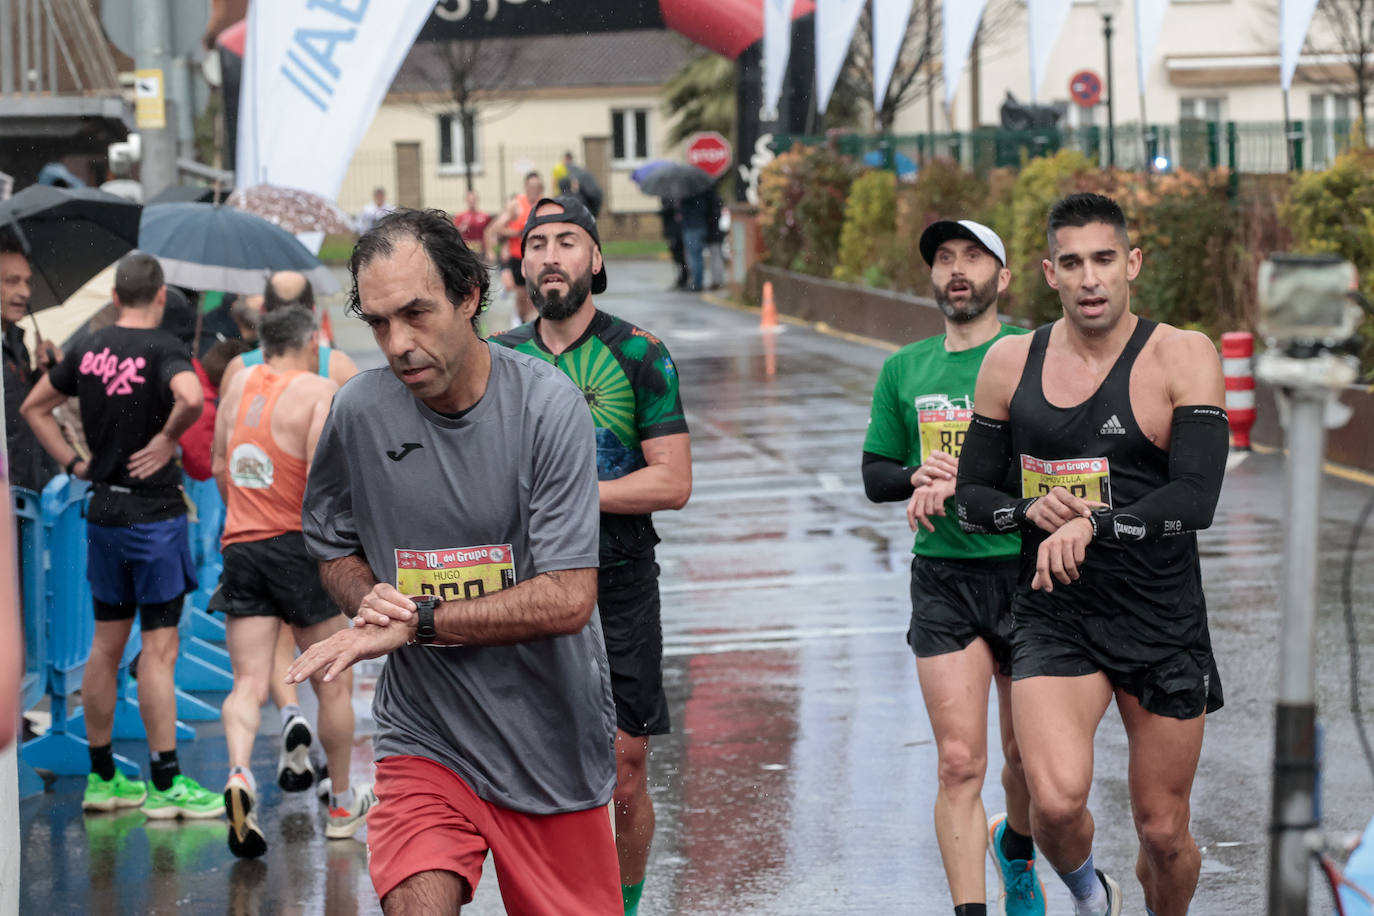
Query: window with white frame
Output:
(630,135)
(1329,106)
(458,143)
(1205,108)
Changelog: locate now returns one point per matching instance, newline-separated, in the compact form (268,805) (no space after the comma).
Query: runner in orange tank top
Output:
(509,226)
(270,419)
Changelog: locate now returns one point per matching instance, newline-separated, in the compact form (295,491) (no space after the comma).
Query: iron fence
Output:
(1243,147)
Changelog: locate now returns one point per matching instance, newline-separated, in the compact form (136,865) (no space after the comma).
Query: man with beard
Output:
(644,464)
(961,584)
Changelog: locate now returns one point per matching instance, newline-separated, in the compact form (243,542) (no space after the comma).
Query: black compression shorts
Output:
(156,616)
(274,577)
(629,605)
(514,266)
(1175,677)
(954,602)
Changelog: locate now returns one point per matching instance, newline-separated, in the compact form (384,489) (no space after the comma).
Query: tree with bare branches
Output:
(468,72)
(1351,26)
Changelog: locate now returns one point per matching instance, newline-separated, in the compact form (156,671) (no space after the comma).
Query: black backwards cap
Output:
(575,212)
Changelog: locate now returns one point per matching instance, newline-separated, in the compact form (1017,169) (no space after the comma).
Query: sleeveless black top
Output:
(1097,451)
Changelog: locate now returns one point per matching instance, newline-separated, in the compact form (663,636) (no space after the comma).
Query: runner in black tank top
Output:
(1106,492)
(1137,611)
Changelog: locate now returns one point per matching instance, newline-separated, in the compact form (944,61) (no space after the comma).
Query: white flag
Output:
(960,24)
(890,19)
(1149,21)
(835,21)
(315,72)
(1294,18)
(777,46)
(1046,22)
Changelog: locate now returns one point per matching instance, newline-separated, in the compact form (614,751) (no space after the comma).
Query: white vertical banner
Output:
(315,73)
(1149,22)
(1046,21)
(1294,18)
(835,22)
(890,18)
(959,23)
(777,46)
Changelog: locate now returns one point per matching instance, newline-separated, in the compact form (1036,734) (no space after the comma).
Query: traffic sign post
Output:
(711,153)
(1085,88)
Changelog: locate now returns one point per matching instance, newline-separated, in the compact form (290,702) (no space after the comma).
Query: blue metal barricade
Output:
(69,626)
(33,585)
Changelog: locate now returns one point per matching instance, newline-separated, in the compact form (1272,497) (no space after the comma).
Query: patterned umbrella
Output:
(293,210)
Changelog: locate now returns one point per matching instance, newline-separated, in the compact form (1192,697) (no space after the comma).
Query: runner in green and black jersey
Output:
(644,464)
(961,584)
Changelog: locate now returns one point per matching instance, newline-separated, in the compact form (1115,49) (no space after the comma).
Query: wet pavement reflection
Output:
(800,774)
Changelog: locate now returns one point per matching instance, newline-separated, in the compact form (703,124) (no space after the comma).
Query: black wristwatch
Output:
(425,634)
(71,465)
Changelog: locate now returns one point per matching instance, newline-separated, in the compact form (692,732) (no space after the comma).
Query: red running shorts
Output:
(428,819)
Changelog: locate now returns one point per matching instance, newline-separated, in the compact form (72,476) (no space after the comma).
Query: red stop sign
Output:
(710,152)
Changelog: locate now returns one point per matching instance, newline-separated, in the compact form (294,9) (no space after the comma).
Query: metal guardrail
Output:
(1243,147)
(59,624)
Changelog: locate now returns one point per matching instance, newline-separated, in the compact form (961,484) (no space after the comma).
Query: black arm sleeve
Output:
(885,479)
(983,507)
(1197,463)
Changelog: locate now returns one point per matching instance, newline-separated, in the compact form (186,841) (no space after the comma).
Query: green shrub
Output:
(1040,184)
(802,195)
(870,227)
(1332,212)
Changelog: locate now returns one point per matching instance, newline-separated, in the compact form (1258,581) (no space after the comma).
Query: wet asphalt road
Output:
(800,774)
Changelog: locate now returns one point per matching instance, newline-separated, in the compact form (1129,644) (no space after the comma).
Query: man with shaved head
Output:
(289,287)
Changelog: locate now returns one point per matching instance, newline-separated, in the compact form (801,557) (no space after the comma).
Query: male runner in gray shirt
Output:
(467,472)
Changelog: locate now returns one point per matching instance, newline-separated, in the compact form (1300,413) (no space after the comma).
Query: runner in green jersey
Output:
(961,584)
(644,464)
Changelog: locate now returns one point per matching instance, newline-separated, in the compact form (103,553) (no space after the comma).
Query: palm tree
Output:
(701,96)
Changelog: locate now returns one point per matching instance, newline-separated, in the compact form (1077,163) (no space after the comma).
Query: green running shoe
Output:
(185,799)
(107,795)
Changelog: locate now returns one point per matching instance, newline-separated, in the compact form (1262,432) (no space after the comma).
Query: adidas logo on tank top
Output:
(1112,427)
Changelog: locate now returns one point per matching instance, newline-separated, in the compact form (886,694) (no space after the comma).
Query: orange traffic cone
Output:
(326,330)
(769,317)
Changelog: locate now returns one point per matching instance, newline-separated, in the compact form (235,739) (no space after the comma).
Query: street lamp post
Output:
(1107,9)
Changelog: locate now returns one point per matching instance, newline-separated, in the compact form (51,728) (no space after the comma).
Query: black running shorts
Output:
(1170,669)
(628,601)
(274,577)
(517,271)
(954,602)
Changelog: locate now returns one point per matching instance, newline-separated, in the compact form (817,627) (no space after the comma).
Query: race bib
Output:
(1086,478)
(943,429)
(455,573)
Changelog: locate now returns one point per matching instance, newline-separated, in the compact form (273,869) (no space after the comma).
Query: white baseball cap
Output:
(941,231)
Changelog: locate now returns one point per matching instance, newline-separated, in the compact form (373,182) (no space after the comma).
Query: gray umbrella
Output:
(676,181)
(214,247)
(588,188)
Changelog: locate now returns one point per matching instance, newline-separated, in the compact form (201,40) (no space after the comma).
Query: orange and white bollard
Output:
(768,318)
(1237,354)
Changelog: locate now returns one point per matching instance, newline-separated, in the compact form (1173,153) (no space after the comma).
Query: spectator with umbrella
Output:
(574,179)
(685,191)
(52,240)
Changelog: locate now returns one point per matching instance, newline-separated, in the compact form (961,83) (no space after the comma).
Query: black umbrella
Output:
(676,181)
(69,235)
(588,188)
